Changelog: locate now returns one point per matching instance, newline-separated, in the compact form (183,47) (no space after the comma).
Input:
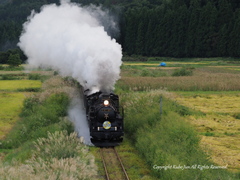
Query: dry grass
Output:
(219,129)
(201,81)
(56,85)
(47,165)
(27,72)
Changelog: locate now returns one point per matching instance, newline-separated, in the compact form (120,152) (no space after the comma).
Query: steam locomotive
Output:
(105,118)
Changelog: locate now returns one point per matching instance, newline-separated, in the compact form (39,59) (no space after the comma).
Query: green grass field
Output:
(11,106)
(16,85)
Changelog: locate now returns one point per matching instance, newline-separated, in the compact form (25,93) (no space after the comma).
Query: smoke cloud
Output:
(77,115)
(73,40)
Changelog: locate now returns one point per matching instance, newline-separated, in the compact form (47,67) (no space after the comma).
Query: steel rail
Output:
(104,164)
(119,159)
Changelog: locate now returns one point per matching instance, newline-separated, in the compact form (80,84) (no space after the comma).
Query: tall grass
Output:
(42,144)
(214,82)
(167,139)
(58,156)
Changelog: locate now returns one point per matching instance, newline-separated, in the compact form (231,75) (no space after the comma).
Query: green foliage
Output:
(149,28)
(8,77)
(183,72)
(12,68)
(34,76)
(14,60)
(209,134)
(237,115)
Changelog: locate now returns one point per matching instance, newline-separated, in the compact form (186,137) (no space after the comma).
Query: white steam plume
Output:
(77,116)
(72,40)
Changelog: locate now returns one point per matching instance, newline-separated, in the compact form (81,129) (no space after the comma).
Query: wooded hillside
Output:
(174,28)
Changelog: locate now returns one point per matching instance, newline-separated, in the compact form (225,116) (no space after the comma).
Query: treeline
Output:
(174,28)
(184,28)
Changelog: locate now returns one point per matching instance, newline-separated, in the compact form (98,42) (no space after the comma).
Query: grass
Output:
(184,134)
(220,127)
(166,139)
(201,80)
(16,85)
(53,158)
(42,145)
(11,106)
(135,165)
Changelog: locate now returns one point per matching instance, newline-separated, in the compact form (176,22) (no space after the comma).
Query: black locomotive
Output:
(105,118)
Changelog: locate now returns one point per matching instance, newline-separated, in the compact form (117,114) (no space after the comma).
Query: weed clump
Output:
(183,72)
(34,77)
(236,115)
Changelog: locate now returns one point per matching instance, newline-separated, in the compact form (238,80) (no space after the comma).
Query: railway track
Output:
(113,165)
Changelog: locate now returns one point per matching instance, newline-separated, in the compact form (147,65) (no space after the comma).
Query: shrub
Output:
(34,76)
(8,77)
(14,60)
(183,72)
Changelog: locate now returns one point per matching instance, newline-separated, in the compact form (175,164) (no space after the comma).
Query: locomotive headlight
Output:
(106,125)
(106,102)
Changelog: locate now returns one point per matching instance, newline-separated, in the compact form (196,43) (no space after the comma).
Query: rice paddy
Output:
(11,105)
(213,89)
(14,85)
(219,128)
(12,95)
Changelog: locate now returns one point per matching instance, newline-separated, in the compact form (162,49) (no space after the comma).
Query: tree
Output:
(194,12)
(14,60)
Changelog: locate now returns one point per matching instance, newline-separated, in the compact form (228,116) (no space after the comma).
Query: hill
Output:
(175,28)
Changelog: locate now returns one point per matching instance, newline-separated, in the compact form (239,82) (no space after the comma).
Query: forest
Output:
(167,28)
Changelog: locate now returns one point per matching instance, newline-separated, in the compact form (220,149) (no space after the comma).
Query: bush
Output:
(8,77)
(34,76)
(183,72)
(14,60)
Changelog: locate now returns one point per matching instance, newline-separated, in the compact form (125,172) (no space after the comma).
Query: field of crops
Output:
(12,95)
(181,122)
(212,89)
